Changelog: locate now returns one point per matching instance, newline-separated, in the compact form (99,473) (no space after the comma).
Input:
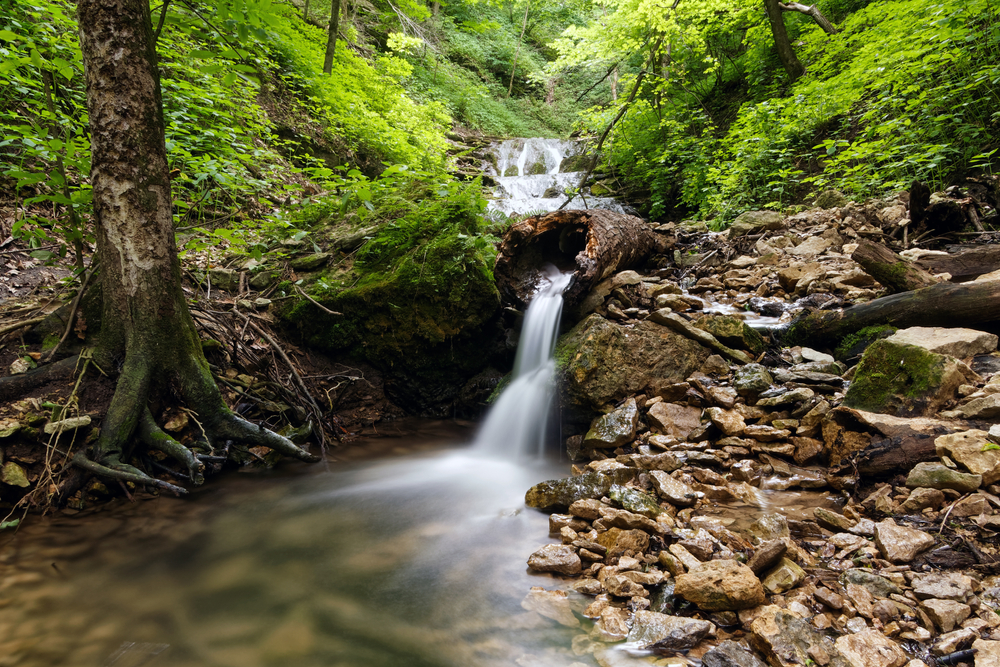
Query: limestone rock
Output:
(878,586)
(635,501)
(751,380)
(939,476)
(956,342)
(673,419)
(614,429)
(731,654)
(769,527)
(673,490)
(729,422)
(922,498)
(667,632)
(551,604)
(13,475)
(720,585)
(783,577)
(618,541)
(558,558)
(832,520)
(732,332)
(612,626)
(987,653)
(946,614)
(871,648)
(899,544)
(969,450)
(788,641)
(752,222)
(943,586)
(985,408)
(767,555)
(559,494)
(676,323)
(64,425)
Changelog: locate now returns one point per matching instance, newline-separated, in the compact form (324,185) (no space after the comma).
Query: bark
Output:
(966,265)
(890,269)
(811,11)
(941,305)
(331,38)
(147,332)
(781,42)
(594,243)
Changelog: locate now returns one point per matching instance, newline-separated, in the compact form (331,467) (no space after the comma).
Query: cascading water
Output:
(516,424)
(530,177)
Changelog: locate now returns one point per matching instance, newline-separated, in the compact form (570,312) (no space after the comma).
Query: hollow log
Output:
(965,265)
(891,270)
(593,243)
(941,305)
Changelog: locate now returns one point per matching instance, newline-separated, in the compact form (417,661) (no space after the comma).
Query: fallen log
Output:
(965,265)
(593,243)
(889,269)
(941,305)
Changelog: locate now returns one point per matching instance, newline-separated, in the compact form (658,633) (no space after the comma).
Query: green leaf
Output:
(8,36)
(13,523)
(990,445)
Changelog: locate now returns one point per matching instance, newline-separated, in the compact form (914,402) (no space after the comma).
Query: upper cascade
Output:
(532,175)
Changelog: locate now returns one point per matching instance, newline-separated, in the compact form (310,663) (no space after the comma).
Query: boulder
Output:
(557,558)
(752,222)
(720,585)
(667,632)
(904,380)
(939,476)
(673,419)
(614,429)
(559,494)
(899,544)
(972,450)
(788,641)
(956,342)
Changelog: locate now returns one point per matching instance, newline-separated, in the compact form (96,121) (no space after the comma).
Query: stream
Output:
(410,550)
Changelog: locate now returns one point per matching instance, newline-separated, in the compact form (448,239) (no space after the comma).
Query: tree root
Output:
(232,427)
(13,386)
(155,438)
(125,473)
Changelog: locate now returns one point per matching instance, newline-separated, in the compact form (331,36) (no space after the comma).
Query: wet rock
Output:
(667,462)
(612,626)
(13,475)
(946,614)
(879,587)
(904,380)
(614,429)
(614,518)
(557,558)
(943,586)
(956,342)
(622,586)
(751,380)
(899,544)
(559,494)
(922,498)
(939,476)
(861,599)
(667,632)
(673,490)
(767,555)
(675,322)
(970,449)
(551,604)
(752,222)
(559,521)
(673,419)
(729,422)
(769,527)
(832,520)
(731,654)
(829,598)
(870,648)
(635,501)
(587,508)
(720,585)
(795,279)
(732,332)
(783,577)
(617,541)
(788,641)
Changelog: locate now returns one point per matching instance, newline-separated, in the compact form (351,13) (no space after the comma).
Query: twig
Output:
(948,513)
(316,303)
(72,314)
(7,328)
(28,250)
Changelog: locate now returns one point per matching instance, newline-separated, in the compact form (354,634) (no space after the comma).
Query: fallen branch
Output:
(316,303)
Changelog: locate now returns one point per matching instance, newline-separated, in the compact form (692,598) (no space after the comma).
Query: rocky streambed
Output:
(668,545)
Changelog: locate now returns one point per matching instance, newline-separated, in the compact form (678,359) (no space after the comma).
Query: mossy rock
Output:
(732,332)
(853,345)
(536,168)
(572,163)
(559,494)
(903,380)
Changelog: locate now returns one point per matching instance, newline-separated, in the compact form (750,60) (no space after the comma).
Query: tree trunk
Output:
(965,265)
(811,11)
(594,243)
(331,38)
(147,328)
(940,305)
(890,269)
(781,42)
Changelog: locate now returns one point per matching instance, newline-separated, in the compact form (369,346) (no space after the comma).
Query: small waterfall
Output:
(529,177)
(515,426)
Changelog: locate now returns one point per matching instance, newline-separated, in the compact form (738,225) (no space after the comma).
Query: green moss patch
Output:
(896,379)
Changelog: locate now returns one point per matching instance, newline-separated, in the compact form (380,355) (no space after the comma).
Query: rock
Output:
(832,520)
(673,490)
(623,587)
(861,598)
(812,246)
(674,420)
(871,648)
(612,626)
(635,501)
(973,505)
(587,508)
(943,586)
(783,577)
(946,614)
(9,427)
(677,323)
(601,362)
(899,544)
(751,380)
(618,541)
(939,476)
(667,632)
(310,262)
(767,555)
(829,598)
(559,494)
(956,342)
(987,653)
(922,498)
(788,641)
(769,527)
(879,587)
(904,380)
(551,604)
(797,278)
(13,475)
(732,332)
(830,199)
(614,429)
(970,449)
(729,422)
(614,518)
(64,425)
(720,585)
(985,408)
(731,654)
(796,395)
(558,558)
(752,222)
(225,279)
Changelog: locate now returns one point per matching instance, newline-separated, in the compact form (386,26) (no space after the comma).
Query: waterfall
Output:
(516,424)
(530,177)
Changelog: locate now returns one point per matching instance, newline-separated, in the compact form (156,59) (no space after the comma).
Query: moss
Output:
(889,374)
(854,344)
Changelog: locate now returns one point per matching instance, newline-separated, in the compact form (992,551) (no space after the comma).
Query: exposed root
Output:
(155,438)
(13,386)
(125,473)
(232,427)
